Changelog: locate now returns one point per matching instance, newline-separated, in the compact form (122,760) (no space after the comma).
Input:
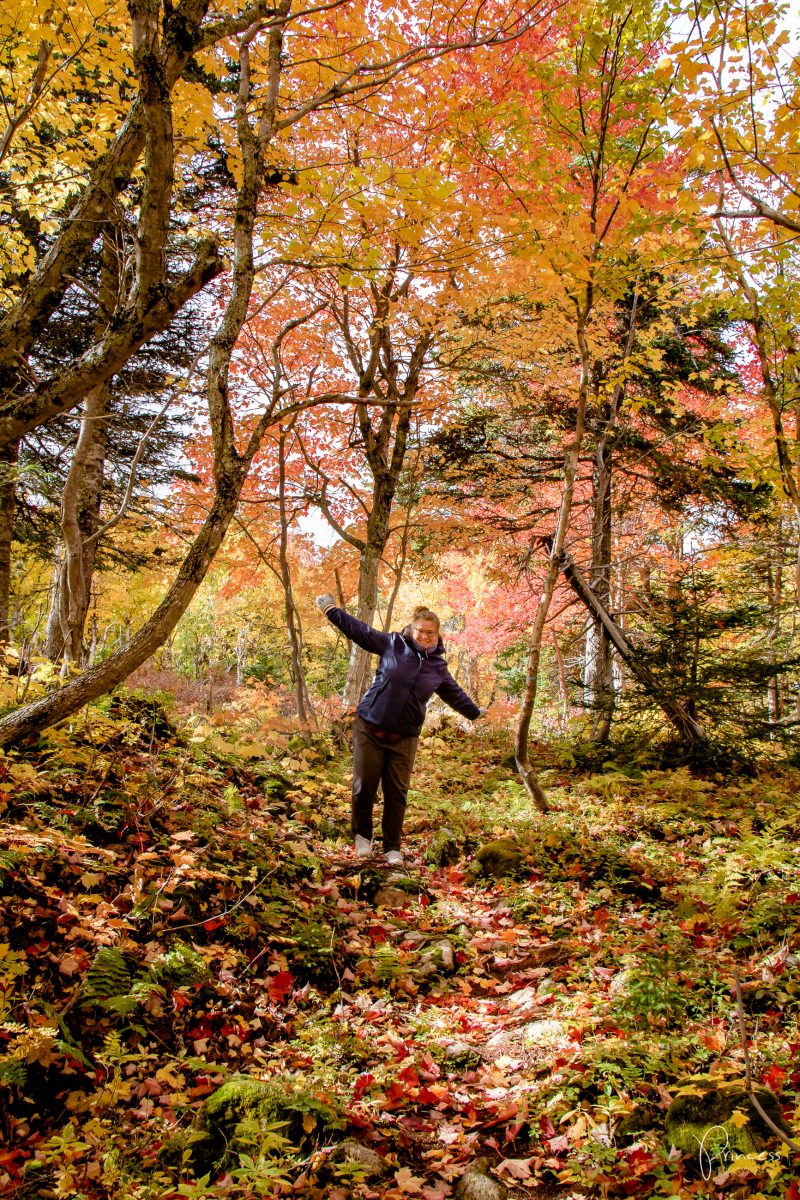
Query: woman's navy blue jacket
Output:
(405,680)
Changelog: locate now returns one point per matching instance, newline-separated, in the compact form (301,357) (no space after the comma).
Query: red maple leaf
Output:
(363,1084)
(279,986)
(774,1077)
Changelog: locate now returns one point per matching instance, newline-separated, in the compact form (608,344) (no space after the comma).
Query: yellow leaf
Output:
(739,1119)
(745,1162)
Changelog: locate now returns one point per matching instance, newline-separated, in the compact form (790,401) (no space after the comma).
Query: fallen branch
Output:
(787,1141)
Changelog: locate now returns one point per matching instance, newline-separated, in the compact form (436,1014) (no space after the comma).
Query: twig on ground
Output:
(787,1141)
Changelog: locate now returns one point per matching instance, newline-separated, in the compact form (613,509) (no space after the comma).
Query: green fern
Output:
(386,964)
(13,1073)
(9,861)
(109,975)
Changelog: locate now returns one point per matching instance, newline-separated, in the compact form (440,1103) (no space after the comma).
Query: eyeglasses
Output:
(419,634)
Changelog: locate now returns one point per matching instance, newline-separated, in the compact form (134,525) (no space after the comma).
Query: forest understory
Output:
(204,994)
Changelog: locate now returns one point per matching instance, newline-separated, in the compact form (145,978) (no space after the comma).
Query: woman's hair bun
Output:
(423,613)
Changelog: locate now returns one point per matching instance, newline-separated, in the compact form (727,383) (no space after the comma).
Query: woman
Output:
(388,720)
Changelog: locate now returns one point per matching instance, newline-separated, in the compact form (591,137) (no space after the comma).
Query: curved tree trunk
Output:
(105,675)
(9,456)
(230,466)
(80,519)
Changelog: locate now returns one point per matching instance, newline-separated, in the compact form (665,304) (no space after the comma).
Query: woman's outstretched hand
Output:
(325,602)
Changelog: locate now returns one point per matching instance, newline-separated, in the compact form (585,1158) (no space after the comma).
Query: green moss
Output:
(444,850)
(500,858)
(720,1118)
(276,1115)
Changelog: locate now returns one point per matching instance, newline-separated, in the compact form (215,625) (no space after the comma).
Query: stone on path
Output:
(477,1184)
(500,857)
(369,1161)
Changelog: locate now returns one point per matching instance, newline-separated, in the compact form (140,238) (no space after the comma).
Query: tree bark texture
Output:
(230,466)
(80,520)
(598,677)
(302,700)
(525,767)
(9,455)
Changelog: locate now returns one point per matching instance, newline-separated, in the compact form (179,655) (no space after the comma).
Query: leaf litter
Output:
(174,919)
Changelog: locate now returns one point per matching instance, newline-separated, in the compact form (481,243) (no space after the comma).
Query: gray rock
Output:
(437,959)
(370,1162)
(390,896)
(542,1033)
(461,1055)
(477,1184)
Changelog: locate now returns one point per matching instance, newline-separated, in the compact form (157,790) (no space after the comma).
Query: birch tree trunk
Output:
(302,700)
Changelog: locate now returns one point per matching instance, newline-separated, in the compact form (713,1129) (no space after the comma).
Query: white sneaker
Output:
(363,846)
(394,858)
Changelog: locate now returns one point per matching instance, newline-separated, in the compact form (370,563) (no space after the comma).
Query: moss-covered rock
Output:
(500,858)
(248,1114)
(364,1162)
(436,959)
(721,1118)
(641,1119)
(444,850)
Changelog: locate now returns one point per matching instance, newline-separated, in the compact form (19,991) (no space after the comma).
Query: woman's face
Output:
(425,634)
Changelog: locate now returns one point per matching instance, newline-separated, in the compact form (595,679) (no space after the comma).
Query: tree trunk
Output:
(525,768)
(9,456)
(80,520)
(774,590)
(230,466)
(398,567)
(83,490)
(360,667)
(562,678)
(598,677)
(105,675)
(302,700)
(599,672)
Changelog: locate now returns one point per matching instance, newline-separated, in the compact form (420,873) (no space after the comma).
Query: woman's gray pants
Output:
(389,764)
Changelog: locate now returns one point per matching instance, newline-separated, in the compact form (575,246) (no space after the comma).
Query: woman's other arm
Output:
(458,699)
(357,631)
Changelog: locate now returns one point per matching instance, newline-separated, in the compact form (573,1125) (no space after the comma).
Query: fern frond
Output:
(109,975)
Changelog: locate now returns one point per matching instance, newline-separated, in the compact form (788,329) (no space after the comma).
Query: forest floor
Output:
(182,909)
